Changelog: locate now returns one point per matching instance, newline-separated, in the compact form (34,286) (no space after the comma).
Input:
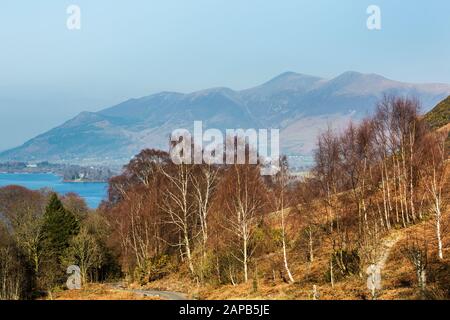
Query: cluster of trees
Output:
(385,172)
(163,214)
(41,235)
(215,221)
(78,173)
(393,166)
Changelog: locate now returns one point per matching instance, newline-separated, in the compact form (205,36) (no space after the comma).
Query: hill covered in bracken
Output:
(440,115)
(439,119)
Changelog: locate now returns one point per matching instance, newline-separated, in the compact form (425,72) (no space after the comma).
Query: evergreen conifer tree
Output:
(60,225)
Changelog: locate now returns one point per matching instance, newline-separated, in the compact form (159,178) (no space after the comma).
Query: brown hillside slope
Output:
(440,115)
(439,119)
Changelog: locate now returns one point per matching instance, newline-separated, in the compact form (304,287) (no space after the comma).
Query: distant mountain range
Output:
(299,105)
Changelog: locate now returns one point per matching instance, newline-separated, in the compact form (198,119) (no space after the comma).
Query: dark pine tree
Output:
(60,225)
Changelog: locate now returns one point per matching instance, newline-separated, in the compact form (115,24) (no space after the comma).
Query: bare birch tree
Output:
(435,178)
(281,180)
(179,207)
(242,195)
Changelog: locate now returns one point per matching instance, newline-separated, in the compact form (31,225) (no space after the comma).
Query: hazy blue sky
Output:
(126,49)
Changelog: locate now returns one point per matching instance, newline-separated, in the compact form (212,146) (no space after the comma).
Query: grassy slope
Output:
(439,118)
(440,115)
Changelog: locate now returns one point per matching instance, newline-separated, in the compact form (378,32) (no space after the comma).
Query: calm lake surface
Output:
(93,193)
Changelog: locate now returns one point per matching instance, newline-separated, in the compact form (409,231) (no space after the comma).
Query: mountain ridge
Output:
(299,104)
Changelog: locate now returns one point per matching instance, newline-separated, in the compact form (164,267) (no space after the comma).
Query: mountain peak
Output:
(352,81)
(351,73)
(354,75)
(287,81)
(292,76)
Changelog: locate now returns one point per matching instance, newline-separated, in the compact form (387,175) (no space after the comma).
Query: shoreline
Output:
(55,174)
(93,192)
(84,181)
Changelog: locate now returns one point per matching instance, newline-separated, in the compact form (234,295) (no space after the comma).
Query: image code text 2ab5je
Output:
(224,159)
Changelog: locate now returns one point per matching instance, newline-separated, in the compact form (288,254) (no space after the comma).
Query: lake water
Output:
(93,193)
